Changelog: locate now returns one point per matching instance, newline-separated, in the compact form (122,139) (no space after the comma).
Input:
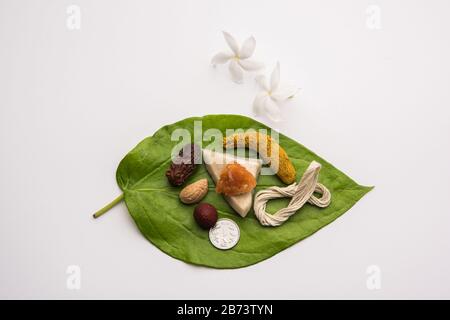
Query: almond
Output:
(194,192)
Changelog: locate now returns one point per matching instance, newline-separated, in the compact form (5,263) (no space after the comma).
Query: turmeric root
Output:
(264,145)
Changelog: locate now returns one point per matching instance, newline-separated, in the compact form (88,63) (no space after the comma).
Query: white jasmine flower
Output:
(238,57)
(267,101)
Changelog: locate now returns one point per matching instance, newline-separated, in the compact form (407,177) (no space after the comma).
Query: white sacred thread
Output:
(300,194)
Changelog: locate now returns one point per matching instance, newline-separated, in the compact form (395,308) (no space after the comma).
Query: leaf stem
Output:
(108,206)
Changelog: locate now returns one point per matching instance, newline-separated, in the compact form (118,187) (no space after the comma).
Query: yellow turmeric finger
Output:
(264,145)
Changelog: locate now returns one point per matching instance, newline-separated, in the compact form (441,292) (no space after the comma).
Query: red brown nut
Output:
(205,215)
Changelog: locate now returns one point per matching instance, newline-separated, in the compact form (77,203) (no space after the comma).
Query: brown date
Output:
(184,164)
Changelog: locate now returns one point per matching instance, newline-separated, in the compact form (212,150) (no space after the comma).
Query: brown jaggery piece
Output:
(264,144)
(234,180)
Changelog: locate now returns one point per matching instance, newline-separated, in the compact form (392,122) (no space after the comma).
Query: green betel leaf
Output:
(168,224)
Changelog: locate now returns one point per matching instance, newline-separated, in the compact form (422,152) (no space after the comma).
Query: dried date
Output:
(184,164)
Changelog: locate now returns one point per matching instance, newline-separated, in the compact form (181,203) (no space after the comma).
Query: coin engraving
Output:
(225,234)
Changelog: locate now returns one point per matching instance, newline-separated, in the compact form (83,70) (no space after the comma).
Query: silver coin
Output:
(225,234)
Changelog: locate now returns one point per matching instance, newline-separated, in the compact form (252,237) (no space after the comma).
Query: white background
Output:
(375,103)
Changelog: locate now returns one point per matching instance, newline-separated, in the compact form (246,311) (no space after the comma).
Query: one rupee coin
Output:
(225,234)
